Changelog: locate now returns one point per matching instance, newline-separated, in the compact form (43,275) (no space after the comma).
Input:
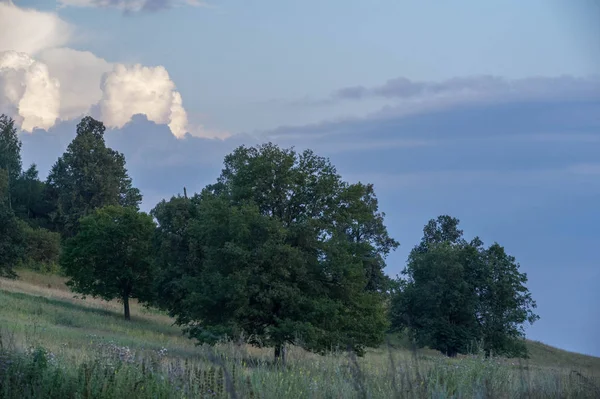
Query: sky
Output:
(487,111)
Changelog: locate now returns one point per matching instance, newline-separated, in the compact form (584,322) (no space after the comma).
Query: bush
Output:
(42,249)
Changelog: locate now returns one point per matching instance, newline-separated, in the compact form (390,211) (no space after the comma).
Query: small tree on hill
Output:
(458,293)
(110,256)
(280,249)
(505,304)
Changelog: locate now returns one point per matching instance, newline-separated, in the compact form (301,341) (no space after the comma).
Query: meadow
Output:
(54,345)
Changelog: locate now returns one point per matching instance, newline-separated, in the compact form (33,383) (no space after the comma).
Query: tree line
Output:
(279,250)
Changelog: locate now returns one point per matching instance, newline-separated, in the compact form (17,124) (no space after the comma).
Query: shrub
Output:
(42,249)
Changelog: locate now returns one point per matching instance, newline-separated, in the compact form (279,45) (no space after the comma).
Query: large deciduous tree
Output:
(111,255)
(279,249)
(459,293)
(88,176)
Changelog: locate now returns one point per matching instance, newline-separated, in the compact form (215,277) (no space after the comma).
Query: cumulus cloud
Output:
(130,5)
(41,81)
(140,90)
(128,91)
(30,31)
(28,91)
(80,74)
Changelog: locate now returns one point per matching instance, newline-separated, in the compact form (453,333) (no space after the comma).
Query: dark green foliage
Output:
(505,303)
(110,256)
(438,303)
(11,234)
(458,294)
(39,376)
(30,200)
(10,168)
(25,192)
(42,248)
(88,176)
(175,250)
(280,248)
(10,150)
(22,204)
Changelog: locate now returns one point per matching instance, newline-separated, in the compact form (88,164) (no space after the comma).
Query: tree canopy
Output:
(23,208)
(88,176)
(30,199)
(10,154)
(10,147)
(11,235)
(458,294)
(110,256)
(280,249)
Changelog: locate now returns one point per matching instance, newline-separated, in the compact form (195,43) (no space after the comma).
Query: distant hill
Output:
(541,353)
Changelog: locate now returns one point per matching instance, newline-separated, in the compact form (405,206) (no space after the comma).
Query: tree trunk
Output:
(280,354)
(126,307)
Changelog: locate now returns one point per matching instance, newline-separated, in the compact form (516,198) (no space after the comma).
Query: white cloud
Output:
(30,31)
(137,89)
(80,74)
(130,5)
(42,81)
(27,90)
(178,121)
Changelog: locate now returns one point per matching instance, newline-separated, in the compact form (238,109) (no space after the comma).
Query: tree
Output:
(30,200)
(505,303)
(111,255)
(279,249)
(11,235)
(458,293)
(88,176)
(10,153)
(437,303)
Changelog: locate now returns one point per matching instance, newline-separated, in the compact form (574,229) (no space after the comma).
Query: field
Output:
(53,345)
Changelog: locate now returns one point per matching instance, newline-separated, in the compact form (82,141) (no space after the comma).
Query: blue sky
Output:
(488,111)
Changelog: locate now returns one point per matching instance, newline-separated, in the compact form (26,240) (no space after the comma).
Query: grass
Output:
(53,345)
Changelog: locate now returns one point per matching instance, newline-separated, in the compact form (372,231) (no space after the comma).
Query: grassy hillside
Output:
(55,345)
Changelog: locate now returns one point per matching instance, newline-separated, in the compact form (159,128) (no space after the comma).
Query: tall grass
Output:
(55,346)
